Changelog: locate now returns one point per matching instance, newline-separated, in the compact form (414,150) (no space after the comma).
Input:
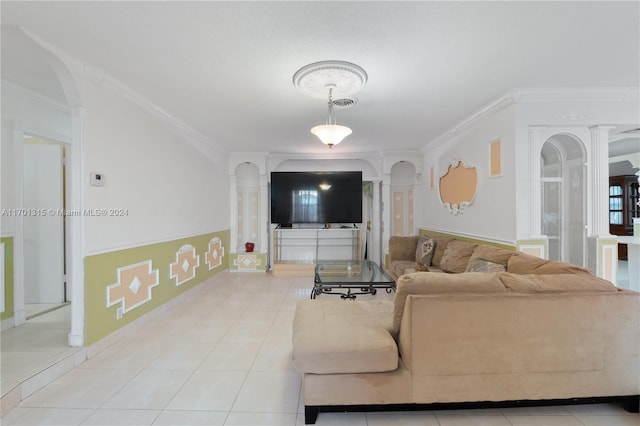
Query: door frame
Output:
(74,242)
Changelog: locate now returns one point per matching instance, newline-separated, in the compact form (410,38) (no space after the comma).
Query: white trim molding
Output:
(523,96)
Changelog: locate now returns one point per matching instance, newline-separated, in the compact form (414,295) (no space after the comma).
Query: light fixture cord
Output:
(331,119)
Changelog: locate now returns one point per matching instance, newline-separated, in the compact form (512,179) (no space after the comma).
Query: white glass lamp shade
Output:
(331,134)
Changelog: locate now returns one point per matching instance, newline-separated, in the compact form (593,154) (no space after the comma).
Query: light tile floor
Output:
(34,346)
(223,357)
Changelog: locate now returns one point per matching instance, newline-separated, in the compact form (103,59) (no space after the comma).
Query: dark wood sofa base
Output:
(631,404)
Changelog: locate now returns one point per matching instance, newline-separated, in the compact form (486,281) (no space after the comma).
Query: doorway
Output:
(563,177)
(44,226)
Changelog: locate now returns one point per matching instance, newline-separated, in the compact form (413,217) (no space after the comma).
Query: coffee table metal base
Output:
(320,288)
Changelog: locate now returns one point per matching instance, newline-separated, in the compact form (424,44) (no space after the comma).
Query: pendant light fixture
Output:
(338,78)
(331,133)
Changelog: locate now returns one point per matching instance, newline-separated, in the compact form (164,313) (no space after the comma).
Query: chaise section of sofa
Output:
(551,333)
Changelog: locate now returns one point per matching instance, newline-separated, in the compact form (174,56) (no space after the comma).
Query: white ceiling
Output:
(225,68)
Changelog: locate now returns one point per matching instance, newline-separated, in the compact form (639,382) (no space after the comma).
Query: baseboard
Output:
(630,403)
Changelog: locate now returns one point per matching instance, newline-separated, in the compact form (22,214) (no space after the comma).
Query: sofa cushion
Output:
(491,254)
(545,283)
(335,337)
(402,248)
(434,283)
(484,265)
(456,257)
(438,252)
(424,253)
(401,267)
(526,264)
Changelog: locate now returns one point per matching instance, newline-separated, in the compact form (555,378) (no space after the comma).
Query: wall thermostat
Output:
(97,179)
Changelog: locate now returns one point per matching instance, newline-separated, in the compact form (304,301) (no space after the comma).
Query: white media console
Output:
(307,246)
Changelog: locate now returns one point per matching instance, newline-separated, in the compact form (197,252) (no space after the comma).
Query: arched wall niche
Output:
(563,197)
(402,181)
(248,205)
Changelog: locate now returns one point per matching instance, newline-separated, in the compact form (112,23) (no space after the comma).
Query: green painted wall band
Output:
(101,271)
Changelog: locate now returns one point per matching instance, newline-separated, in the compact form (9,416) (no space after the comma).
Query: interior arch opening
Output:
(563,186)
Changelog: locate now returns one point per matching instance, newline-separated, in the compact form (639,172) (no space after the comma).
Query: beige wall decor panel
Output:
(215,253)
(458,186)
(240,222)
(134,286)
(398,213)
(495,158)
(253,217)
(409,229)
(608,260)
(535,248)
(247,262)
(184,268)
(432,177)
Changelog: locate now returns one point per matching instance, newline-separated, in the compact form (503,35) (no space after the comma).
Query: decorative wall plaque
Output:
(457,186)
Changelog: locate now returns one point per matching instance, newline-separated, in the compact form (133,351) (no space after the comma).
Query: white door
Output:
(43,233)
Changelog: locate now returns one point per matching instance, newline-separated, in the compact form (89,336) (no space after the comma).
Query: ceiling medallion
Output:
(343,77)
(327,79)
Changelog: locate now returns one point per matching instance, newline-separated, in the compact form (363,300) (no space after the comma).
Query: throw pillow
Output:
(424,252)
(456,257)
(420,267)
(484,265)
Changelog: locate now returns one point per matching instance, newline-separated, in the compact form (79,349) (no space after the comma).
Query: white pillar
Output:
(535,207)
(602,256)
(75,245)
(599,180)
(385,224)
(374,245)
(233,211)
(263,219)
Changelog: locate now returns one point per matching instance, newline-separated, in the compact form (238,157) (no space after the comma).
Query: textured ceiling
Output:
(225,68)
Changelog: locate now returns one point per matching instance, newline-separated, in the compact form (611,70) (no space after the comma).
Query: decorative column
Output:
(233,211)
(385,224)
(536,244)
(602,255)
(535,211)
(263,219)
(599,180)
(376,228)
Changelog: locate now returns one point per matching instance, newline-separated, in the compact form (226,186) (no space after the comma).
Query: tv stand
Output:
(300,249)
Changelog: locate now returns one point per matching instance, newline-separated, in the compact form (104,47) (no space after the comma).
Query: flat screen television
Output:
(316,197)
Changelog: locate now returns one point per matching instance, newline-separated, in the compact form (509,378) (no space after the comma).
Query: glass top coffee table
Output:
(364,276)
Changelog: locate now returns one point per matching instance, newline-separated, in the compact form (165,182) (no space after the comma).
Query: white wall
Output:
(492,214)
(167,188)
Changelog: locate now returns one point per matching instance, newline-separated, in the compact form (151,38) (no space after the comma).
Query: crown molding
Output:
(198,140)
(584,94)
(489,109)
(524,96)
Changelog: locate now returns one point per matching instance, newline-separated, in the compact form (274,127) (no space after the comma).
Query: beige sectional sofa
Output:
(541,331)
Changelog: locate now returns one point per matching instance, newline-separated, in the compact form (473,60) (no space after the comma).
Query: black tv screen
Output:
(316,197)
